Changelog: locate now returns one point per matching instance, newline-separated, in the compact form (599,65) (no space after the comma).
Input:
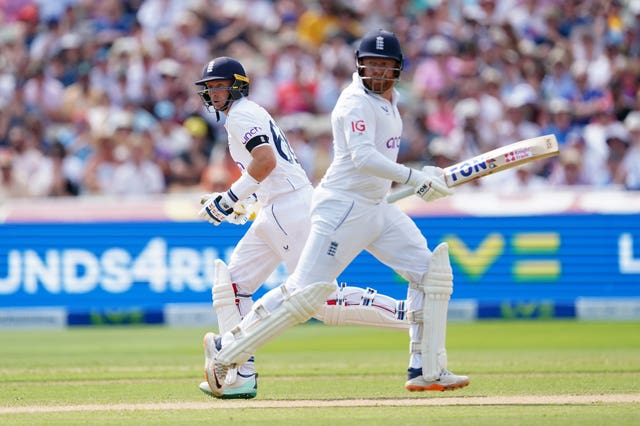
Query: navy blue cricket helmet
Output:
(224,68)
(379,44)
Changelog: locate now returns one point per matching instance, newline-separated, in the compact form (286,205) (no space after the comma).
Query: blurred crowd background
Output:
(97,96)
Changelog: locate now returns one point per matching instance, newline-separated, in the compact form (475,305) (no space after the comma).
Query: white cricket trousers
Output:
(276,236)
(342,227)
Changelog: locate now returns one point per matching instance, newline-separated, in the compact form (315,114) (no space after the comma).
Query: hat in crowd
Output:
(521,95)
(473,12)
(169,67)
(437,45)
(617,130)
(196,126)
(441,146)
(466,108)
(559,105)
(571,155)
(164,110)
(491,75)
(126,45)
(121,120)
(632,121)
(579,68)
(28,13)
(70,41)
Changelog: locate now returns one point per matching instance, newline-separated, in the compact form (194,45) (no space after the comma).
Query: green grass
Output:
(152,365)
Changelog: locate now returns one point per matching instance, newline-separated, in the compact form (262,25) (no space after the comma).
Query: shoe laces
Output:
(221,371)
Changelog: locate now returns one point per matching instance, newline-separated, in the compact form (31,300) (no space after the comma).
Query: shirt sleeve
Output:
(250,132)
(359,129)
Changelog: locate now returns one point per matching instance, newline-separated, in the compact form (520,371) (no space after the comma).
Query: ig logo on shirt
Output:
(358,126)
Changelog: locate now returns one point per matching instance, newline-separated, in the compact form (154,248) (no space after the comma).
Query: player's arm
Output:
(263,161)
(429,183)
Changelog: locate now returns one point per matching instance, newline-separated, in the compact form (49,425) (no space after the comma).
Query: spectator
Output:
(587,101)
(10,186)
(561,123)
(187,167)
(101,165)
(27,158)
(632,159)
(170,137)
(43,95)
(520,180)
(558,82)
(436,73)
(138,174)
(618,142)
(59,175)
(519,122)
(79,96)
(569,169)
(68,66)
(297,94)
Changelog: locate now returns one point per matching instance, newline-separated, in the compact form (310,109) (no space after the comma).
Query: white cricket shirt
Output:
(247,120)
(366,139)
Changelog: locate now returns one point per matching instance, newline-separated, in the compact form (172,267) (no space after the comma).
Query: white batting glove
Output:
(216,208)
(429,183)
(243,211)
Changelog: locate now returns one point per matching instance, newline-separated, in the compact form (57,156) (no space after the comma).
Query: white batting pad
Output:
(297,307)
(437,287)
(224,298)
(224,305)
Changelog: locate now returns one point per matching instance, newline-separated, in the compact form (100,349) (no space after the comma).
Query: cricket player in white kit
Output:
(272,174)
(350,214)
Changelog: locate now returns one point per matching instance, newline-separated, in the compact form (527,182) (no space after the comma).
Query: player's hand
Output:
(216,208)
(429,183)
(243,211)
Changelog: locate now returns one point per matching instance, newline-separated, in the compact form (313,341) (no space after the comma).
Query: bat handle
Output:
(399,195)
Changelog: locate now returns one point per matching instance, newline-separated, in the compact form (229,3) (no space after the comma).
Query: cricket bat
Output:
(496,160)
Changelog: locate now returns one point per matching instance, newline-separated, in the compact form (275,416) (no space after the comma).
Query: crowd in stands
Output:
(98,97)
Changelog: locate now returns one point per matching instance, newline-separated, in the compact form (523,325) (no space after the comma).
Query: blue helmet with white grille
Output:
(224,68)
(379,44)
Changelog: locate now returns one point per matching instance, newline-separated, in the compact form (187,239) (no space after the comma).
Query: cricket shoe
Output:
(446,381)
(245,387)
(215,374)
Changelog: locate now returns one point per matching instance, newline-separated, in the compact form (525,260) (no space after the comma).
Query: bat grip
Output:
(399,195)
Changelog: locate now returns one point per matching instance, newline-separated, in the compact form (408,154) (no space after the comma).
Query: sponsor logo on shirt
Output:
(250,133)
(358,126)
(393,142)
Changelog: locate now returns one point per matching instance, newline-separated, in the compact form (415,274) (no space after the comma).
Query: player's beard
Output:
(379,86)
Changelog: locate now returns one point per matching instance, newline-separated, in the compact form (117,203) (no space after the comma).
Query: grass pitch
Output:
(522,373)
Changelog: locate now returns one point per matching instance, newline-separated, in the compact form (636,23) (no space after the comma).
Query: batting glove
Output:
(429,183)
(216,208)
(243,211)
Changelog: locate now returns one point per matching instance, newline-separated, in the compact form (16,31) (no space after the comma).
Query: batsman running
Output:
(272,176)
(349,214)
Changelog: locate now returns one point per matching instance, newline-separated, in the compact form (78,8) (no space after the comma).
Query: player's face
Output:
(218,92)
(379,73)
